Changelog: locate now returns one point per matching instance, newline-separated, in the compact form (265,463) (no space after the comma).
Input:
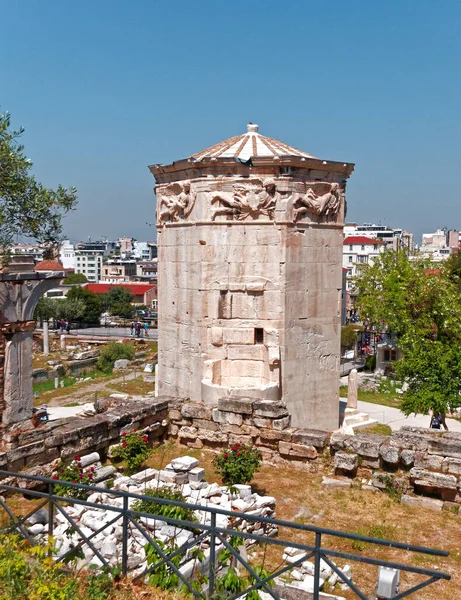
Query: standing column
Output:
(46,338)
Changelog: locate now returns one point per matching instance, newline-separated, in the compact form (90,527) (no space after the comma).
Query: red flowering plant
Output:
(75,473)
(133,450)
(237,464)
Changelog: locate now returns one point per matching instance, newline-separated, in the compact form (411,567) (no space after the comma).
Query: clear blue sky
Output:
(105,88)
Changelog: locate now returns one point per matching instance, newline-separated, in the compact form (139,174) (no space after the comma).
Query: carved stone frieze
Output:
(175,202)
(246,200)
(321,199)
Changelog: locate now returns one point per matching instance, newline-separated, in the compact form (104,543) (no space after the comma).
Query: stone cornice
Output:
(224,164)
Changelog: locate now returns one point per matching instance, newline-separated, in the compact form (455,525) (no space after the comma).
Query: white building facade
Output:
(358,251)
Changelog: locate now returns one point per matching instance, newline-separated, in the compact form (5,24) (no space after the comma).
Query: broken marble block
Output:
(184,463)
(196,474)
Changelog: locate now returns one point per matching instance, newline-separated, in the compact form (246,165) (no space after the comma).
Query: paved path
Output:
(396,419)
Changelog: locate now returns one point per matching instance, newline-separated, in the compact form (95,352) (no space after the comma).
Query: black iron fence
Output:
(216,537)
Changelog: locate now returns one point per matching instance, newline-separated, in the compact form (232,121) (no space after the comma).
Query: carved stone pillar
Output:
(20,289)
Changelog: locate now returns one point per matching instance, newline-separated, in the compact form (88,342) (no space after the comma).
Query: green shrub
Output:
(165,510)
(112,352)
(29,573)
(237,464)
(370,362)
(75,473)
(133,449)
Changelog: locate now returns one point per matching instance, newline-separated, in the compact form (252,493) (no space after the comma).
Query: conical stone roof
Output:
(250,145)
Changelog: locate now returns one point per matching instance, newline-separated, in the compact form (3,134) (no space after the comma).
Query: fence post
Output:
(318,544)
(211,576)
(50,514)
(125,535)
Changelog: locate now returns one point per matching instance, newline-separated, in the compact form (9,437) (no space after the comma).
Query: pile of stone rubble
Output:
(302,576)
(183,474)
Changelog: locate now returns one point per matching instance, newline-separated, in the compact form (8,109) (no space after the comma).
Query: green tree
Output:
(93,305)
(70,309)
(118,302)
(349,336)
(74,278)
(421,303)
(26,207)
(45,309)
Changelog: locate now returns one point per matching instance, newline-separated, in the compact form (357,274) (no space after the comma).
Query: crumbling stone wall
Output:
(2,367)
(417,463)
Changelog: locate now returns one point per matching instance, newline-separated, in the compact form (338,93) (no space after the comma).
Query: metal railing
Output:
(216,536)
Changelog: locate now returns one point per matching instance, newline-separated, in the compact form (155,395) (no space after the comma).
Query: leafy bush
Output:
(112,352)
(238,464)
(370,362)
(29,573)
(165,510)
(348,336)
(133,449)
(75,473)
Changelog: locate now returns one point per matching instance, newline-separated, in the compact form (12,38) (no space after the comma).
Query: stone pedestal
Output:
(20,290)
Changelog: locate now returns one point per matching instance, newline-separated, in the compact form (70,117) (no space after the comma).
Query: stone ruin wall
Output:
(423,466)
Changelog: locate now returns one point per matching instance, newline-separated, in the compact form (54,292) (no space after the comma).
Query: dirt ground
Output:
(301,498)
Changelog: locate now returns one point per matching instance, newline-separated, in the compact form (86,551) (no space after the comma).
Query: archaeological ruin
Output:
(21,287)
(249,274)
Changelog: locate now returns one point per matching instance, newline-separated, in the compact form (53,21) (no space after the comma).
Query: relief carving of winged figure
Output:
(246,201)
(318,204)
(176,202)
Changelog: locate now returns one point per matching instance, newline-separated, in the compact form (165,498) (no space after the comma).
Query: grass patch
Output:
(378,428)
(381,531)
(383,398)
(48,386)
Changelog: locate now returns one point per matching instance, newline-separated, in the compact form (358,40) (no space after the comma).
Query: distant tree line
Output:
(82,305)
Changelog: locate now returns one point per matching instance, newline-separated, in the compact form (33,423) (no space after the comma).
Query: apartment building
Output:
(359,250)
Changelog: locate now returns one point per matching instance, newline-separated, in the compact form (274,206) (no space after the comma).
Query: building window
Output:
(350,248)
(390,355)
(363,247)
(350,259)
(259,335)
(375,247)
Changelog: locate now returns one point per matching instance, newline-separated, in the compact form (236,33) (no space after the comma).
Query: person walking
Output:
(132,328)
(146,329)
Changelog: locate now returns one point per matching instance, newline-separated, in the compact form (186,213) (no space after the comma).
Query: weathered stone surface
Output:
(338,440)
(121,363)
(145,475)
(188,433)
(333,483)
(451,466)
(311,437)
(445,447)
(431,462)
(184,463)
(172,477)
(212,436)
(346,462)
(242,406)
(422,502)
(381,480)
(89,459)
(282,423)
(89,354)
(410,440)
(195,411)
(389,453)
(270,408)
(202,424)
(407,458)
(298,450)
(196,474)
(366,444)
(275,435)
(103,473)
(424,478)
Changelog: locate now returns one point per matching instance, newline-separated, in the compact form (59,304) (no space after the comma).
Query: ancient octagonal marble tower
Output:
(249,276)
